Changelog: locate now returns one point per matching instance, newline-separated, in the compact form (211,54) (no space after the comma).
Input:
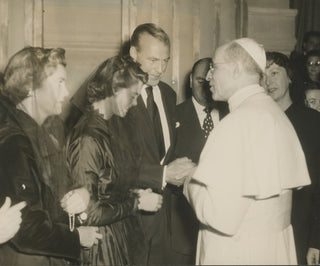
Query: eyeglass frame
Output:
(313,63)
(212,67)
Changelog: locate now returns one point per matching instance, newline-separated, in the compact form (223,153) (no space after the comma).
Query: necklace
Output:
(71,221)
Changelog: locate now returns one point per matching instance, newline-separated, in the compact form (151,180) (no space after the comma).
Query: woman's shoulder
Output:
(90,125)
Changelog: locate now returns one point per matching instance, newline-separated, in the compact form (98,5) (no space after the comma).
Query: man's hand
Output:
(148,200)
(75,201)
(178,170)
(88,236)
(313,256)
(10,219)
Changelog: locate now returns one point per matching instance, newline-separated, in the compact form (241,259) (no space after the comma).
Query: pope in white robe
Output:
(241,189)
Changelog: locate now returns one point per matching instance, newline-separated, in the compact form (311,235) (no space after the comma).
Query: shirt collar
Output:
(242,94)
(144,95)
(197,105)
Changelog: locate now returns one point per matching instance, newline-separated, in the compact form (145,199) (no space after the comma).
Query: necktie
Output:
(207,122)
(156,121)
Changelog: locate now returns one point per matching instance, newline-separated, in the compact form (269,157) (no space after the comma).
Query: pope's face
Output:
(276,82)
(153,55)
(220,77)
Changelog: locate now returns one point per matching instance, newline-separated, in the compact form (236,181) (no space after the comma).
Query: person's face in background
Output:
(199,85)
(52,93)
(276,82)
(313,43)
(313,67)
(313,99)
(124,99)
(153,55)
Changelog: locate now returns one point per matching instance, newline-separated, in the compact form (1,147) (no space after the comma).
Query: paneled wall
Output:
(93,30)
(90,31)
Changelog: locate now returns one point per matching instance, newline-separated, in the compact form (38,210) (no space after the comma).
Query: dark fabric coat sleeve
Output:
(88,163)
(19,179)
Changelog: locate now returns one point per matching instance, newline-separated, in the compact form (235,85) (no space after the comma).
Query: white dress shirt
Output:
(202,114)
(164,123)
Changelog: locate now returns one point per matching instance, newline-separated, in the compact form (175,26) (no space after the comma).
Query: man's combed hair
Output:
(27,69)
(235,53)
(207,60)
(113,74)
(152,29)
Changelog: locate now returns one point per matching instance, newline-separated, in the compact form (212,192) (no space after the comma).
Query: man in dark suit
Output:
(306,121)
(196,117)
(154,132)
(192,113)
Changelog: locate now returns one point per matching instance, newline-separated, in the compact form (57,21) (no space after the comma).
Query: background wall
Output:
(93,30)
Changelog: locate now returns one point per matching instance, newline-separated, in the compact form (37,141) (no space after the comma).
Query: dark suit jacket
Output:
(306,226)
(150,175)
(190,136)
(155,225)
(190,142)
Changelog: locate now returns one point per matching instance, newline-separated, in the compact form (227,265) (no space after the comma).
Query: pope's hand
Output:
(178,170)
(10,219)
(75,201)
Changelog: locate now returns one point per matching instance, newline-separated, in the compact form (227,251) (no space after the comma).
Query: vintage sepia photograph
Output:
(159,132)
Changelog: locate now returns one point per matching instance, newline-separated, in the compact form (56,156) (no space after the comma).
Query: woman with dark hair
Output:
(101,158)
(31,166)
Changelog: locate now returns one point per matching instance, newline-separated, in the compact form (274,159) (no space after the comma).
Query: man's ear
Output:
(236,69)
(190,80)
(133,53)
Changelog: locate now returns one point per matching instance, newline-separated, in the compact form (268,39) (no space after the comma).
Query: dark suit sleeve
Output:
(314,240)
(313,159)
(151,172)
(38,233)
(151,176)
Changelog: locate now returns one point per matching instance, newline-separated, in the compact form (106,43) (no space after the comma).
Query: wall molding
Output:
(4,21)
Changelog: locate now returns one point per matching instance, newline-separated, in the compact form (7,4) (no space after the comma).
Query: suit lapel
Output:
(169,112)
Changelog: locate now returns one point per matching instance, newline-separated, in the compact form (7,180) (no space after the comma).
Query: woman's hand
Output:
(88,236)
(148,200)
(75,201)
(10,219)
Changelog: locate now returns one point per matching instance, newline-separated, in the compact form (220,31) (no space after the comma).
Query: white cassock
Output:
(241,190)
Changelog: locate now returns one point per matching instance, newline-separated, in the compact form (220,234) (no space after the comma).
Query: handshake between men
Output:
(179,170)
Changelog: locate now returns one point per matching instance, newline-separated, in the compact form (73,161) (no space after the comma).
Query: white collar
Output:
(242,94)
